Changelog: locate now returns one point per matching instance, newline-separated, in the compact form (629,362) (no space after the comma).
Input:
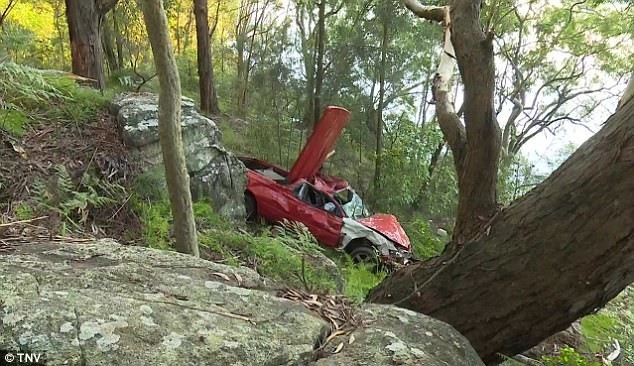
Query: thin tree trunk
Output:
(241,28)
(6,11)
(107,41)
(118,38)
(555,255)
(208,98)
(379,118)
(57,15)
(431,168)
(169,127)
(319,60)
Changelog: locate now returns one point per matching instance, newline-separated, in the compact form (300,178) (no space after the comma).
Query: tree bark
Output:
(169,127)
(379,119)
(628,94)
(553,256)
(208,98)
(477,181)
(476,143)
(118,38)
(85,18)
(108,43)
(319,60)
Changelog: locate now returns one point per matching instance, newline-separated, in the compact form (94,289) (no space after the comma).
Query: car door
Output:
(311,209)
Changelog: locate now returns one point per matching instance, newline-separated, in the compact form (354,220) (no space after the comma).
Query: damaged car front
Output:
(371,237)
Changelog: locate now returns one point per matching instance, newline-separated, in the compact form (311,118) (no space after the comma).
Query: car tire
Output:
(365,253)
(250,206)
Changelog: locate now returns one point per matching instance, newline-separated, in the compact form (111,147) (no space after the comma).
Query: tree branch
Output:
(433,13)
(7,10)
(450,124)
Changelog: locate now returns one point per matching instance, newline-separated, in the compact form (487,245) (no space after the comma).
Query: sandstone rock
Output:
(396,336)
(100,303)
(215,173)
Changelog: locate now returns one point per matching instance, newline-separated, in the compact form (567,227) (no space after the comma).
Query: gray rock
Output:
(215,173)
(100,303)
(396,336)
(105,304)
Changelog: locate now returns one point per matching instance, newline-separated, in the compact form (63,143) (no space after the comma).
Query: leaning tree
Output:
(513,276)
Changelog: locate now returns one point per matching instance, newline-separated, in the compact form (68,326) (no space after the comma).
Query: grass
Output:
(286,257)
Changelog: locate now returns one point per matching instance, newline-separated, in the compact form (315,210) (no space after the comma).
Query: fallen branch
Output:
(15,223)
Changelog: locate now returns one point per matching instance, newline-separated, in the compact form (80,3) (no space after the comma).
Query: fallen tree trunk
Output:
(553,256)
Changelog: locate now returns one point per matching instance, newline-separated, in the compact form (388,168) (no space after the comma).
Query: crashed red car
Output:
(332,211)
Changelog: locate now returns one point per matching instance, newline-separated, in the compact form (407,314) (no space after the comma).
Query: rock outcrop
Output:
(215,173)
(100,303)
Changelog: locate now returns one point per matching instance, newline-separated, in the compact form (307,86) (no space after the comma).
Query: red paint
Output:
(320,143)
(389,226)
(277,192)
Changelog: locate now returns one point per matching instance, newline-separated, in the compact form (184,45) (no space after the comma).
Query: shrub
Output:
(569,357)
(425,243)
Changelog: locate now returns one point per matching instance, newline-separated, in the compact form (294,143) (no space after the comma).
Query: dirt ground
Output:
(92,145)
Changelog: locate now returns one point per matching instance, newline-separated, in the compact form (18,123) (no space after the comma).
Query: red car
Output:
(333,212)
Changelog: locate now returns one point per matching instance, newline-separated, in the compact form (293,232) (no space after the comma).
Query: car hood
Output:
(319,144)
(388,226)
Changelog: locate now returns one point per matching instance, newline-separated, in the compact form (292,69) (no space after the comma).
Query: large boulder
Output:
(215,173)
(100,303)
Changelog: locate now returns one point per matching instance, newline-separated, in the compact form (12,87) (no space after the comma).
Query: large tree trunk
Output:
(553,256)
(208,98)
(169,127)
(84,19)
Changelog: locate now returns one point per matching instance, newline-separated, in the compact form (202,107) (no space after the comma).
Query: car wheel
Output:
(250,207)
(365,253)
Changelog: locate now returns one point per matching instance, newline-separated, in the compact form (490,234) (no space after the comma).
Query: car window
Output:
(318,199)
(352,204)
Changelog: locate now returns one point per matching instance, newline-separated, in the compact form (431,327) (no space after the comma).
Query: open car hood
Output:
(389,226)
(320,143)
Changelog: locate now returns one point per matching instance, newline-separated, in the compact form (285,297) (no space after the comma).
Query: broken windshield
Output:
(352,204)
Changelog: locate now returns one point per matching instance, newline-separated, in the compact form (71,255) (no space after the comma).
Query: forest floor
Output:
(34,166)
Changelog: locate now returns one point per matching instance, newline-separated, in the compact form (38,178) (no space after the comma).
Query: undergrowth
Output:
(287,254)
(29,95)
(71,201)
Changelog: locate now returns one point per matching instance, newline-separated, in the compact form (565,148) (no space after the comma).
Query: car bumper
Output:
(399,257)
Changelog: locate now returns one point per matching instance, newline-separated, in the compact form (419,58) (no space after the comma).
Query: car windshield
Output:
(352,204)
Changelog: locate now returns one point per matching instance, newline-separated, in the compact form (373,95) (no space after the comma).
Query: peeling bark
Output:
(476,142)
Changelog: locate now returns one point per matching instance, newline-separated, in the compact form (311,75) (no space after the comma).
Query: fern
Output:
(296,235)
(73,203)
(28,94)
